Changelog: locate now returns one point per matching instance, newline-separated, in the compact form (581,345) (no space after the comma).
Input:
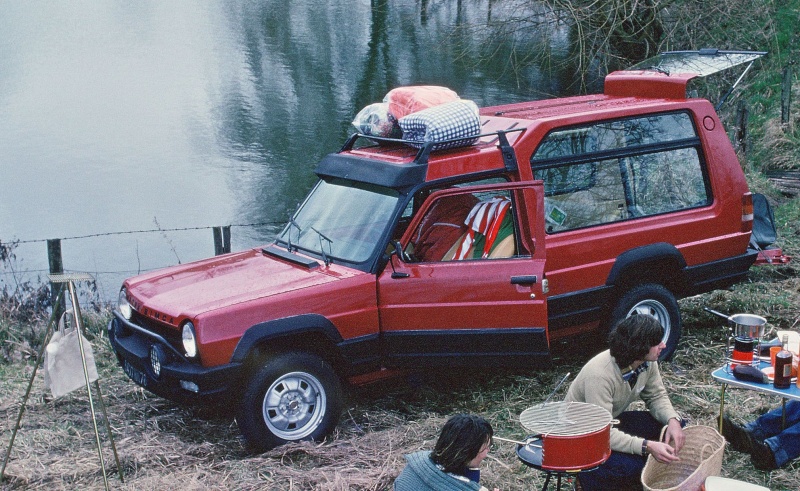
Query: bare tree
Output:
(586,39)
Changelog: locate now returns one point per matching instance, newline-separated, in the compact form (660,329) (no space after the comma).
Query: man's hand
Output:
(674,435)
(662,452)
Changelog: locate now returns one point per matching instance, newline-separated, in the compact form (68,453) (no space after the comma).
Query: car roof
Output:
(402,166)
(656,84)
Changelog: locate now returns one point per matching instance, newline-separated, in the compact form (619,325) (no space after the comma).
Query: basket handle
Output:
(703,456)
(62,321)
(661,437)
(663,432)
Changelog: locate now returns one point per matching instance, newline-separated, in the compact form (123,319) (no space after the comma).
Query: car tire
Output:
(657,301)
(290,397)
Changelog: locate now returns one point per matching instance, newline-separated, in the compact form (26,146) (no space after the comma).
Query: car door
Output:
(461,294)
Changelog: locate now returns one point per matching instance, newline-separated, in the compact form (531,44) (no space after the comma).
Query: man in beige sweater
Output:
(615,378)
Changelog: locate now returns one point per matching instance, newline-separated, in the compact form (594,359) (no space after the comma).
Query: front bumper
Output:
(179,380)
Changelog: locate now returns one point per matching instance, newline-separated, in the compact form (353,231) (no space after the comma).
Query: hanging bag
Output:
(63,367)
(701,456)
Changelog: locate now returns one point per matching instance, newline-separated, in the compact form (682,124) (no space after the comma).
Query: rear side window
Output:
(620,170)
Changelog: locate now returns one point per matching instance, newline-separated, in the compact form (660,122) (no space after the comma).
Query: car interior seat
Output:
(489,235)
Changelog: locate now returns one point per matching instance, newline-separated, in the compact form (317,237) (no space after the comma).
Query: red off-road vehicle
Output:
(565,216)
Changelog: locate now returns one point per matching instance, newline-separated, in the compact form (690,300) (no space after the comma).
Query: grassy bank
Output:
(162,445)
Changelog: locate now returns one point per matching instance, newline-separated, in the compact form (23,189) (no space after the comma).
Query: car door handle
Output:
(524,280)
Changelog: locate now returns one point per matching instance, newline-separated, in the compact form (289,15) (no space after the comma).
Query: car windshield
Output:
(341,220)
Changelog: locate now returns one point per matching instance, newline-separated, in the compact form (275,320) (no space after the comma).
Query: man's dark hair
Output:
(633,337)
(461,439)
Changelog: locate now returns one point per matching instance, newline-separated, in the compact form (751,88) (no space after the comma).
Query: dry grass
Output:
(780,144)
(162,445)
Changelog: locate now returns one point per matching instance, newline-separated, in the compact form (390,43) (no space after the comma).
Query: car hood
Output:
(192,289)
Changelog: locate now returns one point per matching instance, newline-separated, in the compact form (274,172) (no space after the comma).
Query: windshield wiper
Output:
(322,248)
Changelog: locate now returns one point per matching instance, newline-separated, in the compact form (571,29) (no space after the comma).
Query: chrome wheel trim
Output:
(294,405)
(655,309)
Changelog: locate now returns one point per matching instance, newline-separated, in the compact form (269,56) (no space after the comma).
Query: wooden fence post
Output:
(56,267)
(786,94)
(226,239)
(222,240)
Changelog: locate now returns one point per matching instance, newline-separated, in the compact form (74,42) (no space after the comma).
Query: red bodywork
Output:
(225,296)
(221,295)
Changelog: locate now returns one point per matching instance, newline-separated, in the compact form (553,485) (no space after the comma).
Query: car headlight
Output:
(123,305)
(189,340)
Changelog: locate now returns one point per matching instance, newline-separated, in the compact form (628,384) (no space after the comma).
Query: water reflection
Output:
(119,116)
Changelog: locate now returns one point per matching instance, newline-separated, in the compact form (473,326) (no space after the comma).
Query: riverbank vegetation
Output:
(162,445)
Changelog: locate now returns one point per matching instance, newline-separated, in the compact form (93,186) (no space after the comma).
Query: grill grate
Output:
(565,418)
(65,277)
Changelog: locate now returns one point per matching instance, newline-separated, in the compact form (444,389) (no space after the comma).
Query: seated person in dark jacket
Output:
(770,443)
(464,442)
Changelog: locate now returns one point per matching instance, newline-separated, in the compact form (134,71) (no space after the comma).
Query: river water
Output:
(149,115)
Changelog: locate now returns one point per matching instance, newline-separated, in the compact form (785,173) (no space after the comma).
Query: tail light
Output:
(747,212)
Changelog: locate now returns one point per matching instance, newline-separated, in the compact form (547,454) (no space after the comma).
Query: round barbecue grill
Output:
(567,436)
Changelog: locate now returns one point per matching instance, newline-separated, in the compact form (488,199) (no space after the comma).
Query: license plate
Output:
(134,374)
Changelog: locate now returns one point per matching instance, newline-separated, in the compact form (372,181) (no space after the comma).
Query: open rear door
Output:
(701,63)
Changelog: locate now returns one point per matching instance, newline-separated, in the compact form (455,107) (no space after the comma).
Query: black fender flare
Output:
(660,263)
(281,328)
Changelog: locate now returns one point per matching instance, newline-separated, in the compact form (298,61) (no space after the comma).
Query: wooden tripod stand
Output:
(69,279)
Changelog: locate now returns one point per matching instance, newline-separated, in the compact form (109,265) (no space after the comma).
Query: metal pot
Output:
(744,325)
(569,436)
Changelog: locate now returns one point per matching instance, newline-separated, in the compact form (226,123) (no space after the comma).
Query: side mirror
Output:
(398,251)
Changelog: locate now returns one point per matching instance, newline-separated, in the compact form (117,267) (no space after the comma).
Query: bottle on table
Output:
(783,366)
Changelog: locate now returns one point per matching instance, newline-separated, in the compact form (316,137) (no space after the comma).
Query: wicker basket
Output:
(701,456)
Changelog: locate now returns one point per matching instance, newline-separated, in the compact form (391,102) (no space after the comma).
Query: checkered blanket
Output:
(453,120)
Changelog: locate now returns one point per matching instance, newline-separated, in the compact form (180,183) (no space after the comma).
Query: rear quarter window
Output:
(619,170)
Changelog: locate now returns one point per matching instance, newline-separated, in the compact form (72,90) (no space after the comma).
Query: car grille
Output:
(167,332)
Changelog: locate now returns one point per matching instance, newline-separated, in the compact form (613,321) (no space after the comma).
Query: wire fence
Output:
(14,273)
(143,231)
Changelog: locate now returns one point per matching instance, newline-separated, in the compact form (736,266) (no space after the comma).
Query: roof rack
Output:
(425,150)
